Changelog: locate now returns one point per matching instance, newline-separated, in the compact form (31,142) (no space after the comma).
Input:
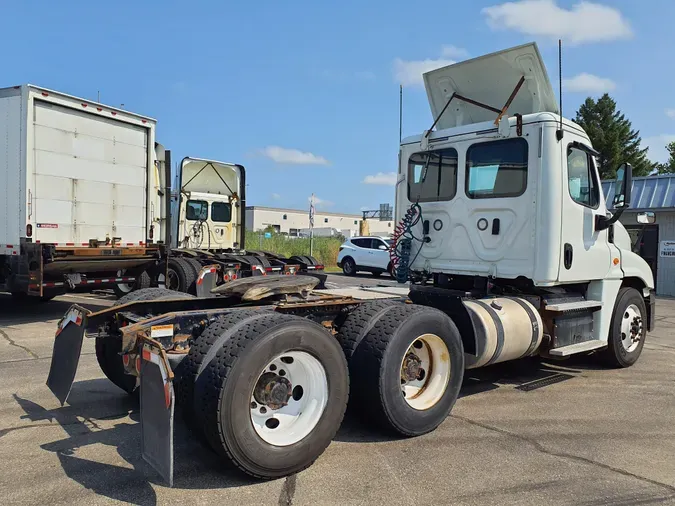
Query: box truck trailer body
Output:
(82,190)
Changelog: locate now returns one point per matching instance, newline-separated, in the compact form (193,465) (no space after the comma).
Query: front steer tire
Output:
(616,355)
(225,387)
(377,363)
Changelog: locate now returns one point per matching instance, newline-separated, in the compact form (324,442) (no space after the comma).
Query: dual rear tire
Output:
(406,363)
(268,391)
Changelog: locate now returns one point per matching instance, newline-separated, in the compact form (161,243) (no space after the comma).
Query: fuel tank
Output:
(506,328)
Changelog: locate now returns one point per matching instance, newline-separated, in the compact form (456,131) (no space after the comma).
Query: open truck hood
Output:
(209,176)
(490,79)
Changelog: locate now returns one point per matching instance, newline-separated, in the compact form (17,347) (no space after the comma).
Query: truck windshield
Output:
(432,176)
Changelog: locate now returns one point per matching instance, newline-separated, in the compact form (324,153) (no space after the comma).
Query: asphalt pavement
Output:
(526,433)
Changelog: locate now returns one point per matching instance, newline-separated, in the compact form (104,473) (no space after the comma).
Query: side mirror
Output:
(646,218)
(621,201)
(622,186)
(383,247)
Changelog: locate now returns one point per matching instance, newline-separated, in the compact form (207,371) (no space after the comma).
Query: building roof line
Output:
(301,211)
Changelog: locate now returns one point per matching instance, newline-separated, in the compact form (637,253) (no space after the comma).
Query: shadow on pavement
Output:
(525,375)
(195,465)
(17,312)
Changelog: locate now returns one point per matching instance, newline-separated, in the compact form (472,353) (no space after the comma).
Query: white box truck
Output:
(82,190)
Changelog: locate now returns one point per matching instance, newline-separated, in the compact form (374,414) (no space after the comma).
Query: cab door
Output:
(586,251)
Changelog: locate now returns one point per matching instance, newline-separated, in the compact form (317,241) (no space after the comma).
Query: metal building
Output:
(654,242)
(295,222)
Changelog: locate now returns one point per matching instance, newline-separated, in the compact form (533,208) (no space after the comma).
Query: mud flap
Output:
(157,406)
(66,354)
(206,281)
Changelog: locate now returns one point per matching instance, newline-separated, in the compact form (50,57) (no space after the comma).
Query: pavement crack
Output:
(395,477)
(13,343)
(564,455)
(4,432)
(288,490)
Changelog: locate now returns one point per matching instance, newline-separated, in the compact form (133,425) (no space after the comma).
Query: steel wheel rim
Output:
(631,328)
(348,267)
(425,372)
(295,402)
(124,287)
(171,284)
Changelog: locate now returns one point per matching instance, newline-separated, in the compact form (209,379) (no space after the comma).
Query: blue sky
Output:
(305,94)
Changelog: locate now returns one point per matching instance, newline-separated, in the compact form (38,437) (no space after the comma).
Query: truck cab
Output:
(508,198)
(210,210)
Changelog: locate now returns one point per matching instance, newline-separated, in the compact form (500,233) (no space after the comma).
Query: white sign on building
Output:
(667,249)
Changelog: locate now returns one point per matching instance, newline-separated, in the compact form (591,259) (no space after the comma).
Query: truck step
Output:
(566,351)
(573,306)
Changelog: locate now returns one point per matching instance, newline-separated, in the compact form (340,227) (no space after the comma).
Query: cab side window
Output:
(581,180)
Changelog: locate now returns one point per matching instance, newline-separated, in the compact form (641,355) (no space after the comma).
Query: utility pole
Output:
(400,113)
(311,225)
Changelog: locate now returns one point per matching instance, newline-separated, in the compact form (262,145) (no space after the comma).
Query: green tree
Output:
(613,137)
(669,166)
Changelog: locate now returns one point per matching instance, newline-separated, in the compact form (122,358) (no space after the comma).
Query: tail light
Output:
(29,230)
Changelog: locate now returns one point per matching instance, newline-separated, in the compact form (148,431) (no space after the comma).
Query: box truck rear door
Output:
(90,176)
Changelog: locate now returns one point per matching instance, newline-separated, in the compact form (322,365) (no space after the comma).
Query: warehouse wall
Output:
(259,218)
(665,270)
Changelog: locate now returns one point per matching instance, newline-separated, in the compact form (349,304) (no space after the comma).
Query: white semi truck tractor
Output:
(510,253)
(502,205)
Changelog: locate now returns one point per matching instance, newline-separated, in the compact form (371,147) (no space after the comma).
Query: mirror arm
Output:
(602,222)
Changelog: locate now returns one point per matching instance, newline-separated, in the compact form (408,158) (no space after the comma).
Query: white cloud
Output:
(276,196)
(657,147)
(381,178)
(320,202)
(409,73)
(292,156)
(588,83)
(583,22)
(454,52)
(670,113)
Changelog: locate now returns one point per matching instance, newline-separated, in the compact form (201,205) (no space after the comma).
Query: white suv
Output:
(369,254)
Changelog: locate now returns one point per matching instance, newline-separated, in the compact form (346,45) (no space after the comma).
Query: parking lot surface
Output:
(526,432)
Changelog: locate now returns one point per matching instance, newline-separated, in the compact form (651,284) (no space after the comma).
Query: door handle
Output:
(568,256)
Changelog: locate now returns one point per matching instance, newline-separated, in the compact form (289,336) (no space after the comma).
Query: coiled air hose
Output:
(402,239)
